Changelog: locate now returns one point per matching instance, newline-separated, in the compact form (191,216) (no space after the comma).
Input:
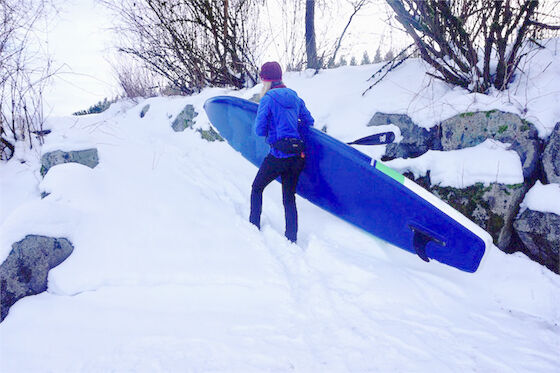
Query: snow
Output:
(543,198)
(18,181)
(488,162)
(168,275)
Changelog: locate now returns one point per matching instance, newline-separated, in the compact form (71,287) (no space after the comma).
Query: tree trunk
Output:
(310,45)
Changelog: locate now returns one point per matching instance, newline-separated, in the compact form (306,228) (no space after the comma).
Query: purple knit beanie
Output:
(271,72)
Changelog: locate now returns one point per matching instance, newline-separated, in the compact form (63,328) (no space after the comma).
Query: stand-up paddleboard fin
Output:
(420,240)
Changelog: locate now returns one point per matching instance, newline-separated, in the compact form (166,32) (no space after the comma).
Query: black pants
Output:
(289,170)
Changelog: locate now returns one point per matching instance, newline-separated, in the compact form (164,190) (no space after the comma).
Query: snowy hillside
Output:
(168,275)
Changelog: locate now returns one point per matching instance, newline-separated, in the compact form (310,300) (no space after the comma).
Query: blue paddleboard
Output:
(370,195)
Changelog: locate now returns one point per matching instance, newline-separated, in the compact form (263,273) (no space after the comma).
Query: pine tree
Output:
(343,61)
(353,61)
(365,59)
(390,55)
(377,57)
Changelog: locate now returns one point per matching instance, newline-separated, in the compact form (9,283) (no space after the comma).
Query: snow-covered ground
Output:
(168,275)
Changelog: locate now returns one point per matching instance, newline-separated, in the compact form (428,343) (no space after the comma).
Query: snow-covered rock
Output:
(415,140)
(87,157)
(540,233)
(25,270)
(492,207)
(470,129)
(185,119)
(144,110)
(551,158)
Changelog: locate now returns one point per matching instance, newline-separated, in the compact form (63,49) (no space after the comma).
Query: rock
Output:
(470,129)
(256,98)
(87,157)
(540,233)
(551,158)
(25,270)
(41,133)
(492,207)
(210,134)
(144,110)
(416,140)
(185,119)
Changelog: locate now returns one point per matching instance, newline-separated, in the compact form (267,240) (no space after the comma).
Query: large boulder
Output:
(491,207)
(416,140)
(540,234)
(25,270)
(470,129)
(185,119)
(87,157)
(551,158)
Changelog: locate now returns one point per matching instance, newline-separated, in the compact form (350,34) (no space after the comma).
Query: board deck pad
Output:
(370,195)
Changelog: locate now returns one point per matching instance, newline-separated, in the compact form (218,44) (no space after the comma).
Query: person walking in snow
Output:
(279,115)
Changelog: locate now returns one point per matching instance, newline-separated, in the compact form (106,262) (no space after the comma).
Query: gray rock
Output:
(185,119)
(210,134)
(144,111)
(470,129)
(492,207)
(416,140)
(540,233)
(256,98)
(87,157)
(551,158)
(25,270)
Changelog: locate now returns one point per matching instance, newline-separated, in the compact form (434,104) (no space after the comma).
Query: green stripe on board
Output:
(389,172)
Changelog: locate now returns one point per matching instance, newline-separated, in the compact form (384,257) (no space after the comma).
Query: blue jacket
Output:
(279,114)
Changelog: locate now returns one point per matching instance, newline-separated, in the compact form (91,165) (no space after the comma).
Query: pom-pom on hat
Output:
(271,72)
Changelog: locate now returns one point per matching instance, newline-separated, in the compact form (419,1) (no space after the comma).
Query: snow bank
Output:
(488,162)
(543,198)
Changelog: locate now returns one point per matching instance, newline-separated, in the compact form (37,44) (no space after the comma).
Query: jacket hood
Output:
(284,96)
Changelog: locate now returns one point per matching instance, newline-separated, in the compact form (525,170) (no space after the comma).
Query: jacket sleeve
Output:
(261,121)
(304,115)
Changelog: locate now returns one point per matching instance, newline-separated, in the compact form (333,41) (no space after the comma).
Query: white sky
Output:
(79,42)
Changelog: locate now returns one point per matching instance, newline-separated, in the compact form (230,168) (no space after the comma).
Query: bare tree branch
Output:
(24,72)
(545,26)
(357,7)
(192,44)
(453,36)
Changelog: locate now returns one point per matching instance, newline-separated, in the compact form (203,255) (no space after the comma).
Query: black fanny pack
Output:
(290,145)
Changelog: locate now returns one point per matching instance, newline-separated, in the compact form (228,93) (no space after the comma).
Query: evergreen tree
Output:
(343,61)
(377,57)
(365,59)
(390,55)
(100,107)
(353,61)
